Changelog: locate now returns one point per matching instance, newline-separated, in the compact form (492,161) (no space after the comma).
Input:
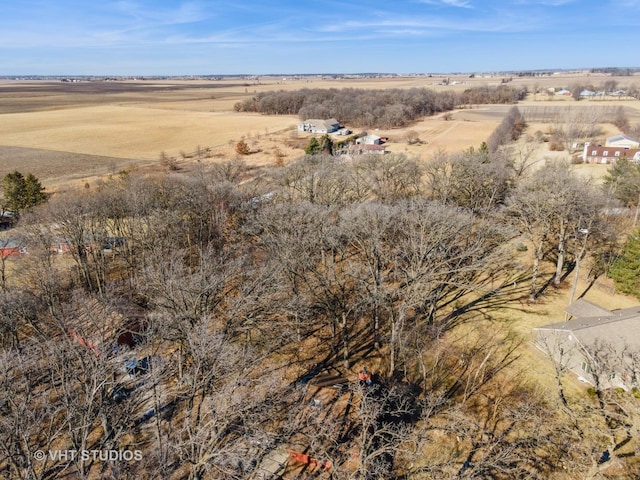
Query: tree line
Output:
(374,108)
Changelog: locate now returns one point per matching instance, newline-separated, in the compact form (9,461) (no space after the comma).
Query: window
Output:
(617,154)
(594,153)
(605,153)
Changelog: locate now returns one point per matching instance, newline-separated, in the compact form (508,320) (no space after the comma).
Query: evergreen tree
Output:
(625,271)
(34,191)
(14,190)
(326,145)
(623,180)
(22,193)
(312,147)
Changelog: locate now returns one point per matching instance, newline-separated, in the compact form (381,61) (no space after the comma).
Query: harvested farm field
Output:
(139,132)
(60,167)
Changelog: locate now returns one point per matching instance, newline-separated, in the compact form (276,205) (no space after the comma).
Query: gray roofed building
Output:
(369,140)
(585,308)
(315,125)
(10,247)
(598,345)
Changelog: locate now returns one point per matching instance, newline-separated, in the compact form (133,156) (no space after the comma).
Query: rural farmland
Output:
(128,124)
(218,293)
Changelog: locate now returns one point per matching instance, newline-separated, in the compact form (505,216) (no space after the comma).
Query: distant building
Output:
(10,248)
(362,149)
(319,126)
(622,141)
(600,154)
(369,140)
(60,246)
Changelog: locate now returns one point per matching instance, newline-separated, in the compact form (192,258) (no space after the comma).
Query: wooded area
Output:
(386,108)
(192,310)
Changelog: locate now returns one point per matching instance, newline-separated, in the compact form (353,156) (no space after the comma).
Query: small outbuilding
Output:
(369,140)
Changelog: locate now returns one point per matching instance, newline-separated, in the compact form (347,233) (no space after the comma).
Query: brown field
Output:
(70,132)
(140,132)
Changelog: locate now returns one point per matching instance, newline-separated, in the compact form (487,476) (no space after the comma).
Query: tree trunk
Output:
(376,327)
(560,264)
(392,346)
(533,293)
(345,341)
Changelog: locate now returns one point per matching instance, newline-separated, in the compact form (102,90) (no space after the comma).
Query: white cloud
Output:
(548,3)
(458,3)
(450,3)
(185,12)
(432,25)
(627,3)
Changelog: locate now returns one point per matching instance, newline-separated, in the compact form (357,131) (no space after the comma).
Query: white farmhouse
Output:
(314,125)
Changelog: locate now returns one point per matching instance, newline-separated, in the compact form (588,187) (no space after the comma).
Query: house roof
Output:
(622,152)
(367,147)
(619,328)
(10,243)
(370,138)
(621,138)
(585,308)
(319,123)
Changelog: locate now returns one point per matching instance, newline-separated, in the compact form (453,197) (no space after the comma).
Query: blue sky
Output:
(173,37)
